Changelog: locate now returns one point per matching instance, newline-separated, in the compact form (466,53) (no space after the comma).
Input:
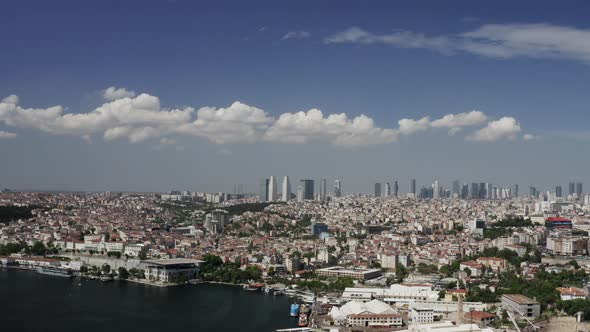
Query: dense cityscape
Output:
(474,257)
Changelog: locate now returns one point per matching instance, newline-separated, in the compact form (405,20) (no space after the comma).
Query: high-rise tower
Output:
(286,190)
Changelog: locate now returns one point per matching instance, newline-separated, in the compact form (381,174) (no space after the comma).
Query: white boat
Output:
(54,271)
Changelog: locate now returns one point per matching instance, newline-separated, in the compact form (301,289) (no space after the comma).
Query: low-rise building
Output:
(355,273)
(571,293)
(521,304)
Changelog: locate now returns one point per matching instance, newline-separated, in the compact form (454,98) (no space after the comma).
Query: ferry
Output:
(294,309)
(54,271)
(302,320)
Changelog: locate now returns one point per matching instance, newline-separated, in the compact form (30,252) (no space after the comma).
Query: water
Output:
(34,302)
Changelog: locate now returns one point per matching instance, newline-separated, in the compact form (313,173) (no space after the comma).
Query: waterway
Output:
(34,302)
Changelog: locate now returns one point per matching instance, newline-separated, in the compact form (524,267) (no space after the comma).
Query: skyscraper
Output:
(272,189)
(308,189)
(456,189)
(579,190)
(377,189)
(533,192)
(337,188)
(482,190)
(489,191)
(474,194)
(395,189)
(436,189)
(323,190)
(264,190)
(413,186)
(515,190)
(572,188)
(300,193)
(558,191)
(286,192)
(387,189)
(465,191)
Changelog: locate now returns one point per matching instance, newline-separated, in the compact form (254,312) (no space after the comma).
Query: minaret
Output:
(460,310)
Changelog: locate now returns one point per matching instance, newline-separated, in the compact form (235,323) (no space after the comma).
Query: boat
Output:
(304,309)
(278,292)
(55,271)
(294,309)
(250,288)
(302,320)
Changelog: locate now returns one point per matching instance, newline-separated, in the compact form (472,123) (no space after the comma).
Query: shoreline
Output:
(138,281)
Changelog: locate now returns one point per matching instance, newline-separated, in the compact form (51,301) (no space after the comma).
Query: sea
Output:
(33,302)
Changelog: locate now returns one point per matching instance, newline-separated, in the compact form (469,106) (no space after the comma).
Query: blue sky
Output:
(513,76)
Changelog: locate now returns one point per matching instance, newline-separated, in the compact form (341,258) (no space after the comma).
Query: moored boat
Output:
(54,271)
(302,320)
(294,309)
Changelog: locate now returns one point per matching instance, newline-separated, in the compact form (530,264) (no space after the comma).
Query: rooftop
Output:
(173,261)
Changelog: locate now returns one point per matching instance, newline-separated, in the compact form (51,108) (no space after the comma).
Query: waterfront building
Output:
(355,273)
(371,314)
(171,270)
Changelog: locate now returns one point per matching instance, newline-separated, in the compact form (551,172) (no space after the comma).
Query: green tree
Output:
(106,268)
(123,273)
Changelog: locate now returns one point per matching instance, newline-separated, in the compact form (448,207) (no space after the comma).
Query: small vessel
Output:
(302,320)
(278,292)
(250,288)
(54,271)
(294,309)
(304,309)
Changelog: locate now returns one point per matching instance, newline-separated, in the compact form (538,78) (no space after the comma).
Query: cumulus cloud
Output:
(504,128)
(301,127)
(239,123)
(113,93)
(6,134)
(142,118)
(296,35)
(529,137)
(490,40)
(410,126)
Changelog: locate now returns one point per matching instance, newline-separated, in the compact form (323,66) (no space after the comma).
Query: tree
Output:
(83,269)
(467,271)
(38,249)
(400,273)
(106,268)
(123,273)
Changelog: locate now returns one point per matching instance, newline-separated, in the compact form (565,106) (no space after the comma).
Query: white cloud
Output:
(5,134)
(142,118)
(504,128)
(239,123)
(491,40)
(112,93)
(529,137)
(454,122)
(296,35)
(302,127)
(411,126)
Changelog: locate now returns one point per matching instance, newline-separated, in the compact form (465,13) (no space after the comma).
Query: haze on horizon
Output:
(160,95)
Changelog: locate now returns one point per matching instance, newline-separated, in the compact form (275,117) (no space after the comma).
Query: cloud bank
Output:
(540,40)
(138,118)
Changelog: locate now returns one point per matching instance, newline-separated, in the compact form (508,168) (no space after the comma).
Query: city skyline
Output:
(117,107)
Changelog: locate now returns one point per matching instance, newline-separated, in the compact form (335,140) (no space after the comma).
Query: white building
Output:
(272,189)
(422,315)
(286,190)
(392,294)
(374,313)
